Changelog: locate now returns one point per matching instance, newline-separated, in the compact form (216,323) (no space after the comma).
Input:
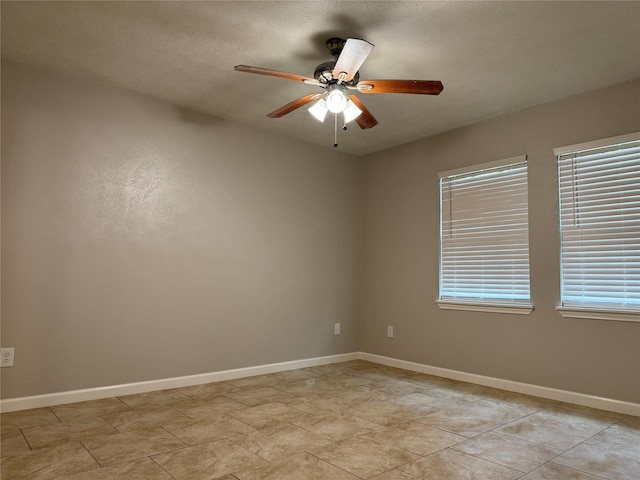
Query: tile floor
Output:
(346,421)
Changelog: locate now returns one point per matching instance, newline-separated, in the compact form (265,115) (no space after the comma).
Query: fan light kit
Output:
(340,78)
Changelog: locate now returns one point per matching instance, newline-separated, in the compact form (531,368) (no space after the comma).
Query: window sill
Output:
(485,307)
(598,314)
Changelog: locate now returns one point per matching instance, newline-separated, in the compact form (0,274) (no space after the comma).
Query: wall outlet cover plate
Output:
(6,357)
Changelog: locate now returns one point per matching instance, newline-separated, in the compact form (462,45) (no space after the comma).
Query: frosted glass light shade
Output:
(319,109)
(351,111)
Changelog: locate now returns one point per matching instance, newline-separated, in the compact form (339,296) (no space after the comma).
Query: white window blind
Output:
(599,192)
(484,234)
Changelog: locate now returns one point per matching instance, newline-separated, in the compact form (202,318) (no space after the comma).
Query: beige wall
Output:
(400,256)
(141,241)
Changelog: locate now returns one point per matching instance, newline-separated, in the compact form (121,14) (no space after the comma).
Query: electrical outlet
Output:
(336,329)
(6,357)
(390,331)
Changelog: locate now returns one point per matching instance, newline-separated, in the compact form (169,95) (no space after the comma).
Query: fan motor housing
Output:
(324,74)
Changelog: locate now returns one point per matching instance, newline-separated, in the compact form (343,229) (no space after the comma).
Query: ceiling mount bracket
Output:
(335,46)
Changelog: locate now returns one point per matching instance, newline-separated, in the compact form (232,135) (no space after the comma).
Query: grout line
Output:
(89,452)
(577,469)
(332,464)
(486,460)
(25,439)
(54,414)
(161,467)
(551,460)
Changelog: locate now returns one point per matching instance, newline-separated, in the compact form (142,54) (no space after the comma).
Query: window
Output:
(599,192)
(484,238)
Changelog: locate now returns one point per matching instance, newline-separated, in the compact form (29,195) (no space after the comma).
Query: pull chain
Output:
(335,131)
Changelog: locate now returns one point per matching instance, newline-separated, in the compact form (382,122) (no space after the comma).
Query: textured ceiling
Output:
(492,57)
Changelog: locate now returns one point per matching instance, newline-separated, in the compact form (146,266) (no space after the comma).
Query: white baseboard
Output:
(49,400)
(601,403)
(52,399)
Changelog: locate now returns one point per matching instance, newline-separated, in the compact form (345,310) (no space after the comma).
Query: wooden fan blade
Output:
(365,119)
(420,87)
(275,73)
(353,55)
(290,107)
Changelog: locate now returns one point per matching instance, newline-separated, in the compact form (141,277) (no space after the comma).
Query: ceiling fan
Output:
(341,81)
